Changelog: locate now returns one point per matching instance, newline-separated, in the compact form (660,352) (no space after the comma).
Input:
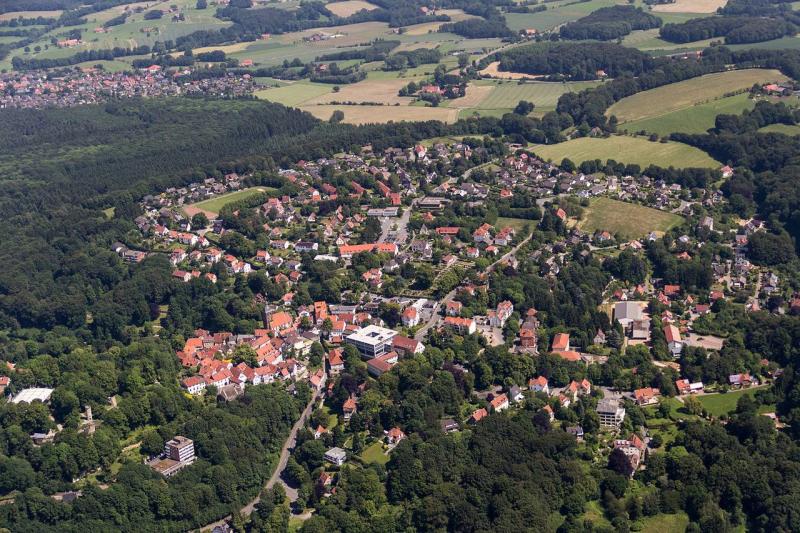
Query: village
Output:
(403,271)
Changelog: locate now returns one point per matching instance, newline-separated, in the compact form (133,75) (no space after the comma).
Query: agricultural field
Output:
(295,93)
(349,7)
(370,114)
(649,40)
(492,98)
(691,92)
(371,91)
(630,221)
(690,6)
(676,96)
(781,128)
(634,150)
(214,205)
(30,14)
(558,13)
(694,119)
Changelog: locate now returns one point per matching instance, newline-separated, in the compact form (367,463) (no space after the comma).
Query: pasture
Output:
(633,150)
(294,94)
(558,13)
(349,7)
(630,221)
(675,96)
(693,119)
(690,6)
(786,129)
(372,91)
(491,98)
(213,206)
(54,13)
(370,114)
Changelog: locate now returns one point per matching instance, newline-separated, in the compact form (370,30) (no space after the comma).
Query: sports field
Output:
(634,150)
(369,114)
(212,206)
(630,221)
(675,96)
(693,119)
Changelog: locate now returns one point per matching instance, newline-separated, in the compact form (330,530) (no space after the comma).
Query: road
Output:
(401,233)
(434,319)
(291,493)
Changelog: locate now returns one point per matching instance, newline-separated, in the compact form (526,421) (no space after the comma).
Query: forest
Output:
(574,61)
(735,29)
(609,23)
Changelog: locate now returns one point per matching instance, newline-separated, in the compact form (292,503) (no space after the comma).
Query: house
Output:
(539,384)
(515,393)
(410,317)
(499,403)
(335,361)
(336,456)
(319,432)
(5,381)
(646,396)
(673,337)
(503,312)
(407,346)
(382,364)
(599,338)
(685,387)
(577,432)
(560,343)
(349,407)
(453,308)
(461,325)
(739,381)
(194,384)
(626,312)
(394,435)
(478,415)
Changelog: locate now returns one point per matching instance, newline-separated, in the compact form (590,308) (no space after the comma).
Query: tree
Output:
(200,220)
(524,108)
(202,4)
(336,117)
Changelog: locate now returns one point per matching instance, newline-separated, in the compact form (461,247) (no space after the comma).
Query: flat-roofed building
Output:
(372,341)
(180,449)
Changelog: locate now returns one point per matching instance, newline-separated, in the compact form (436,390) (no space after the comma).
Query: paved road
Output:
(421,332)
(291,493)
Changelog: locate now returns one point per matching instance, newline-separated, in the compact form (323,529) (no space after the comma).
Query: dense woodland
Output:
(610,23)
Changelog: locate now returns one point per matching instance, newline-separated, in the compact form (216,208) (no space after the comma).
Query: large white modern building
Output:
(372,341)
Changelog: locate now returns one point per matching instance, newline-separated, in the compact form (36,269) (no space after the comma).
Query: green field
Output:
(723,404)
(294,94)
(665,523)
(518,224)
(676,96)
(506,95)
(630,221)
(693,119)
(634,150)
(558,13)
(781,128)
(374,454)
(215,204)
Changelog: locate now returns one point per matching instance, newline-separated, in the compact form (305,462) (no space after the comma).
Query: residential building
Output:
(336,456)
(611,413)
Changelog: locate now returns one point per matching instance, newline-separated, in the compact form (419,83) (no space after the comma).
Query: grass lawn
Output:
(517,223)
(781,128)
(626,149)
(218,202)
(665,523)
(676,96)
(629,220)
(725,403)
(594,514)
(374,454)
(693,119)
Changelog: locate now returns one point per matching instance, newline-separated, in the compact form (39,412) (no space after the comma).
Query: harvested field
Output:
(630,221)
(493,71)
(349,7)
(475,95)
(30,14)
(379,91)
(690,6)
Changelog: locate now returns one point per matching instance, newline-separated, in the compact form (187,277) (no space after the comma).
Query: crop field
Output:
(556,14)
(367,114)
(694,119)
(675,96)
(690,6)
(649,40)
(380,91)
(631,221)
(214,205)
(294,94)
(349,7)
(634,150)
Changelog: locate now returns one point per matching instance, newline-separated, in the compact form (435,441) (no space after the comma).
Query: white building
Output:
(32,395)
(372,341)
(336,456)
(611,413)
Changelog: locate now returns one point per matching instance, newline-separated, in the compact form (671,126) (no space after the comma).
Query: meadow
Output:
(558,13)
(781,128)
(630,221)
(295,93)
(634,150)
(676,96)
(723,404)
(494,98)
(349,7)
(693,119)
(370,114)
